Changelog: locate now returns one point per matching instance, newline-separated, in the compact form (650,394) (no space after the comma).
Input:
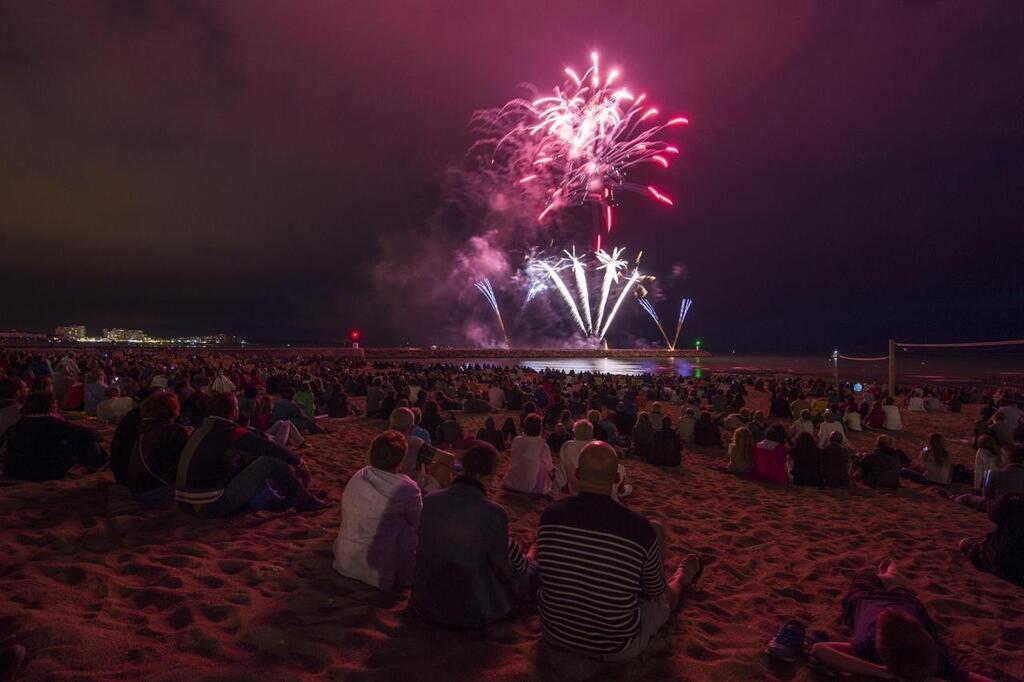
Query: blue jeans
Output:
(251,480)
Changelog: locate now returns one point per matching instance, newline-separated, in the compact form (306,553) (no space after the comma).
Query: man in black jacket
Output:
(43,446)
(226,468)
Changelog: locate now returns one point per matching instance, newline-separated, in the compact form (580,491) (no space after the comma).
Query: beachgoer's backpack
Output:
(962,474)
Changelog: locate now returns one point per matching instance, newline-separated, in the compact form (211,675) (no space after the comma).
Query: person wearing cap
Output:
(469,571)
(603,592)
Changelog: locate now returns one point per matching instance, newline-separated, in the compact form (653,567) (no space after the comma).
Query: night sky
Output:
(852,170)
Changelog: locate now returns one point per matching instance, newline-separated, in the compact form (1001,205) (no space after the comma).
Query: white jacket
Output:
(376,544)
(892,418)
(827,429)
(529,466)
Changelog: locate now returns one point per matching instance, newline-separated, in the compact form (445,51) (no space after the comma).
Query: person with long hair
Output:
(643,436)
(935,467)
(741,451)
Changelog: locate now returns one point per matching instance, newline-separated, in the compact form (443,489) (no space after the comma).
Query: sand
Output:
(97,586)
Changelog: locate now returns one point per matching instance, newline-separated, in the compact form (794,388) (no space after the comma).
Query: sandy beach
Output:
(97,586)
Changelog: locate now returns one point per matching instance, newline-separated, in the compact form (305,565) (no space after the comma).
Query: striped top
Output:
(597,560)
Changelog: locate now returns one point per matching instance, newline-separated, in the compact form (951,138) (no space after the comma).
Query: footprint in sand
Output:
(233,566)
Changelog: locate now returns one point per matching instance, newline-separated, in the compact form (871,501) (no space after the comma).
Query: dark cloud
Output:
(852,170)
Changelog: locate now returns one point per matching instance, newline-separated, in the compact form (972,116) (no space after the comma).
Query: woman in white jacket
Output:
(530,467)
(380,512)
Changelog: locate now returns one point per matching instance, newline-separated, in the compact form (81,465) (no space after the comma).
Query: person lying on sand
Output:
(226,468)
(380,512)
(469,572)
(607,561)
(893,635)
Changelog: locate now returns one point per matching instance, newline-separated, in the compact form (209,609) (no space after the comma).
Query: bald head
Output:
(598,468)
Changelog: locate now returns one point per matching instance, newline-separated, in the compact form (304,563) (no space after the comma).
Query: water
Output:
(917,368)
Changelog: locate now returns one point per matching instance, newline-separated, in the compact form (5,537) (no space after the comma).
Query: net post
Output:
(892,369)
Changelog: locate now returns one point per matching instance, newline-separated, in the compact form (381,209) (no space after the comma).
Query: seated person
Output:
(558,437)
(1000,552)
(893,422)
(431,468)
(667,451)
(893,636)
(989,456)
(95,390)
(933,404)
(127,431)
(643,436)
(226,468)
(737,419)
(153,460)
(469,571)
(936,465)
(881,467)
(491,434)
(287,409)
(42,446)
(835,463)
(530,469)
(915,404)
(113,408)
(12,392)
(305,399)
(1002,481)
(852,420)
(476,405)
(803,424)
(741,452)
(1001,429)
(593,551)
(771,457)
(417,429)
(806,458)
(380,512)
(829,425)
(758,426)
(686,426)
(568,459)
(705,432)
(451,432)
(779,407)
(875,418)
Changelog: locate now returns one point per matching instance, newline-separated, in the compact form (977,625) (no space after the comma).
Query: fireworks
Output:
(684,308)
(549,270)
(646,305)
(584,137)
(575,145)
(484,286)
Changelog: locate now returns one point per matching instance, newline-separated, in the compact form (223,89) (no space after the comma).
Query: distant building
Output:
(16,335)
(125,335)
(72,332)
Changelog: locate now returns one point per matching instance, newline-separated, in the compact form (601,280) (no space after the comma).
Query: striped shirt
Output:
(597,561)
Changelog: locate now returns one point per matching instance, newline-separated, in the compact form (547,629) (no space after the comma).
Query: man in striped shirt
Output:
(603,591)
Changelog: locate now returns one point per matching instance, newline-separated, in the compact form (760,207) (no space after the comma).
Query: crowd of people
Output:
(219,435)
